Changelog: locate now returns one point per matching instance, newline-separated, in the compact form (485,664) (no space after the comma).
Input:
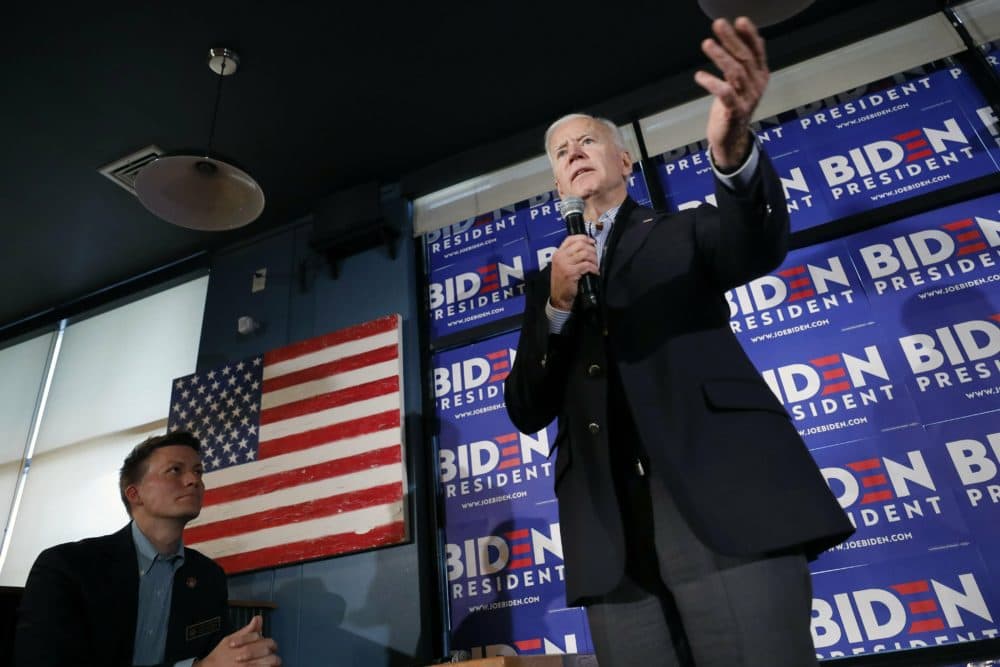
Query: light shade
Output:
(762,12)
(199,192)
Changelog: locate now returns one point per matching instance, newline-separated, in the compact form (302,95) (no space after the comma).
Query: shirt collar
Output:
(146,553)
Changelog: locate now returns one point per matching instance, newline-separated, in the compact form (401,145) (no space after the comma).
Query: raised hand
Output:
(738,52)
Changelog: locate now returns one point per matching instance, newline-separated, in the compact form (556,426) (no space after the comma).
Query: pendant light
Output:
(200,191)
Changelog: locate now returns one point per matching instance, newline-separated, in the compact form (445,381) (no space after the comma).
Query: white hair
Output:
(616,134)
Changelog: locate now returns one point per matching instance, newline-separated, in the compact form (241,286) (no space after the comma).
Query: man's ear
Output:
(626,164)
(132,494)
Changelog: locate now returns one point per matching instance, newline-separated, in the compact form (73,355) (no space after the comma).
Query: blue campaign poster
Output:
(911,603)
(509,564)
(952,356)
(837,386)
(475,236)
(897,492)
(499,630)
(480,288)
(468,381)
(931,260)
(969,450)
(815,291)
(486,464)
(894,144)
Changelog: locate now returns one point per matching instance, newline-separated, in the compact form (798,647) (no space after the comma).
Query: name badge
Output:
(203,628)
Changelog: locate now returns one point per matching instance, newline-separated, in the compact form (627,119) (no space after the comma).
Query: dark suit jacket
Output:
(711,428)
(81,599)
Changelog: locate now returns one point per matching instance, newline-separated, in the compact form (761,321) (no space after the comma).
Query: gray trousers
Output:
(681,605)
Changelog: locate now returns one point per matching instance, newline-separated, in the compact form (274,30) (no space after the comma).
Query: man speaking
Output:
(688,504)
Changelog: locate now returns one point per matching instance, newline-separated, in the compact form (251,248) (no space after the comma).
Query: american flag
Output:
(302,448)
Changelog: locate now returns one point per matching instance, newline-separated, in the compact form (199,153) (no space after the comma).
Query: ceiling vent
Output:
(124,170)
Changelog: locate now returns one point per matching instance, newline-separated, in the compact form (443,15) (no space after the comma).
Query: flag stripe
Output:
(273,536)
(290,478)
(367,330)
(330,416)
(347,429)
(302,493)
(291,514)
(324,451)
(343,365)
(330,383)
(294,552)
(331,399)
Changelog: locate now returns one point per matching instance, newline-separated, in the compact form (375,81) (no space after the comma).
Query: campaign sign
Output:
(952,357)
(917,145)
(931,260)
(910,603)
(497,562)
(468,380)
(486,465)
(481,288)
(970,449)
(498,630)
(546,229)
(898,494)
(686,174)
(837,386)
(977,107)
(476,235)
(816,288)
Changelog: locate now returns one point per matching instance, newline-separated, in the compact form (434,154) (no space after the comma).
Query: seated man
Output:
(138,596)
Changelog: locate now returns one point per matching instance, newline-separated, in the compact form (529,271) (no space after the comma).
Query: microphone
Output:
(571,210)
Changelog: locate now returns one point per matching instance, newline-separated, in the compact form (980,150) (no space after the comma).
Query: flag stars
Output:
(185,394)
(255,386)
(198,409)
(244,443)
(211,375)
(237,411)
(247,398)
(201,390)
(220,438)
(250,455)
(231,380)
(238,391)
(209,452)
(224,394)
(180,383)
(252,430)
(244,421)
(194,379)
(183,414)
(215,386)
(253,407)
(230,402)
(176,407)
(234,435)
(240,366)
(256,361)
(226,370)
(228,447)
(233,459)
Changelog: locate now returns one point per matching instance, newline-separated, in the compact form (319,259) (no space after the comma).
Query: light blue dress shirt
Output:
(156,588)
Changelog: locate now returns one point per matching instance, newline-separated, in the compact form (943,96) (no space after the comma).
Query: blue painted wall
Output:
(379,607)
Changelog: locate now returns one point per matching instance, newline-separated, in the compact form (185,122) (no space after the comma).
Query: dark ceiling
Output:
(328,96)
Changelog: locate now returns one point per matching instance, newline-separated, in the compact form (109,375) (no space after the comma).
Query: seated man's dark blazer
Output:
(81,599)
(712,430)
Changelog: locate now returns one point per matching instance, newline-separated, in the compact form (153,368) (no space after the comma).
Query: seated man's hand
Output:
(245,647)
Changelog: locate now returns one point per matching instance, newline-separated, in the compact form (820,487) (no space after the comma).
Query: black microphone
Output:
(571,210)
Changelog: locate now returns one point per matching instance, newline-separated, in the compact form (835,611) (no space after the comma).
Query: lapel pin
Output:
(191,582)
